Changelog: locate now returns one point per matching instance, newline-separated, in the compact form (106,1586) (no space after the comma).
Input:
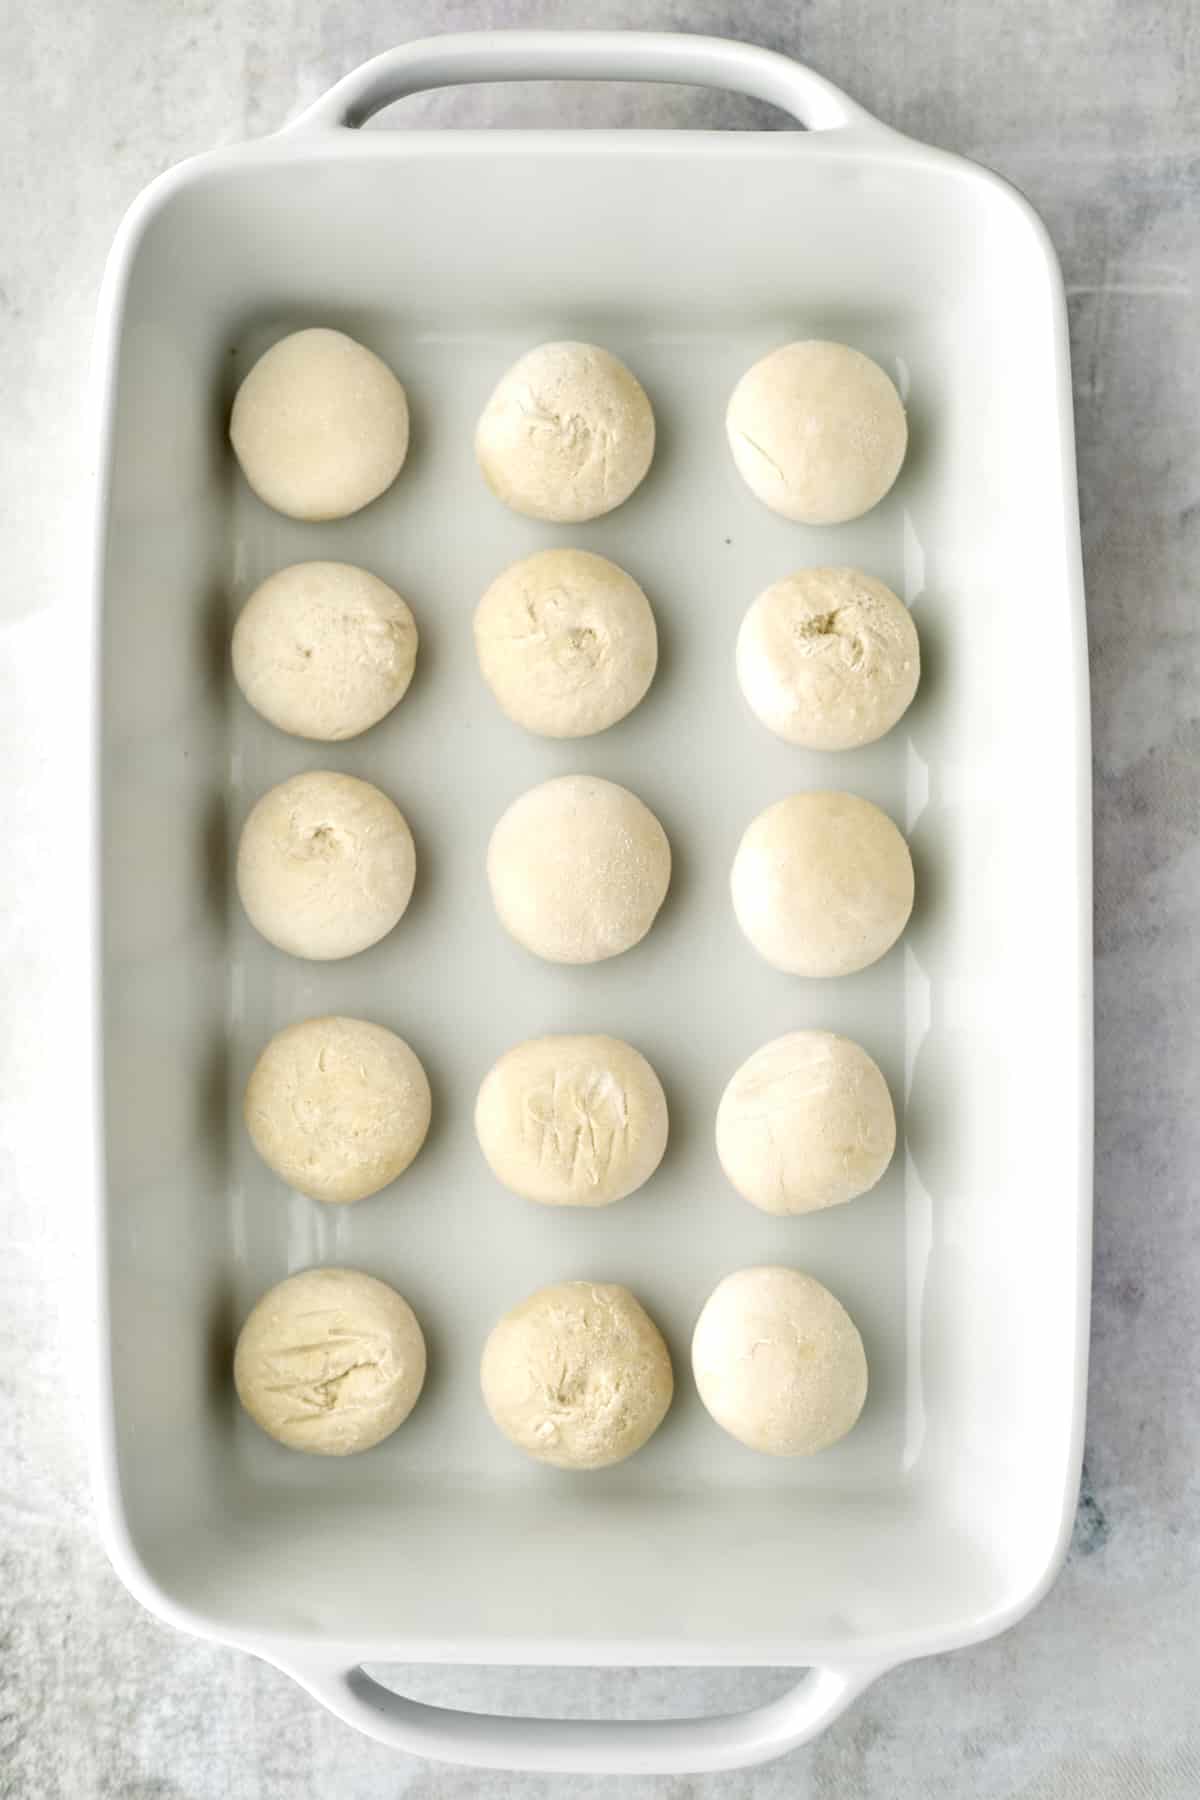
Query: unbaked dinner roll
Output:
(325,865)
(817,431)
(337,1107)
(572,1121)
(567,642)
(806,1122)
(779,1362)
(324,650)
(567,435)
(828,658)
(578,869)
(822,884)
(577,1375)
(330,1361)
(319,425)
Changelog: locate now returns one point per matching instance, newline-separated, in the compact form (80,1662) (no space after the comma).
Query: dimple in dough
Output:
(577,1375)
(806,1122)
(337,1107)
(567,435)
(330,1361)
(828,658)
(567,642)
(817,431)
(572,1121)
(324,650)
(779,1362)
(822,884)
(325,865)
(578,869)
(319,425)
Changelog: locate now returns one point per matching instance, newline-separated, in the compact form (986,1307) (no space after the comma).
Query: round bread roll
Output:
(578,869)
(319,426)
(325,865)
(566,642)
(337,1107)
(822,884)
(828,658)
(817,431)
(330,1361)
(778,1362)
(807,1122)
(577,1375)
(567,435)
(324,650)
(572,1121)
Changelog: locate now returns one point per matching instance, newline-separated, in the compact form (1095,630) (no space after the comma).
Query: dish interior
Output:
(689,258)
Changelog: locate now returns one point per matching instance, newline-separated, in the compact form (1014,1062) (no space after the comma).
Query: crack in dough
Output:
(572,1121)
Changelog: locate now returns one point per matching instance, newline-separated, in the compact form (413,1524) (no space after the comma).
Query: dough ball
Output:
(572,1121)
(320,426)
(822,884)
(566,642)
(577,1375)
(325,865)
(324,650)
(578,869)
(330,1361)
(806,1122)
(567,435)
(828,658)
(778,1362)
(817,431)
(337,1107)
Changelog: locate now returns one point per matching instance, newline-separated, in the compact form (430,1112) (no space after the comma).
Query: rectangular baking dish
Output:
(945,1514)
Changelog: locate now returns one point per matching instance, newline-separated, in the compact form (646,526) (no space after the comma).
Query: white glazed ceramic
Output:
(944,1516)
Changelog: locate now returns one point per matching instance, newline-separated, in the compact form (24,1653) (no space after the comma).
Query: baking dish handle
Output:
(589,1746)
(585,56)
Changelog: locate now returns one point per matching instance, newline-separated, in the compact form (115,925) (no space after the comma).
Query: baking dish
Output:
(944,1516)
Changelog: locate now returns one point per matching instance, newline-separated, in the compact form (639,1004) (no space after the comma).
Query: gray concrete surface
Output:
(1093,109)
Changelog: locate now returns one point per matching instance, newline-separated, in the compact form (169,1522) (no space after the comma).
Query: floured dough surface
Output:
(324,650)
(337,1107)
(577,1375)
(817,431)
(822,884)
(319,426)
(779,1362)
(330,1361)
(325,865)
(806,1122)
(828,658)
(567,642)
(578,869)
(567,435)
(572,1121)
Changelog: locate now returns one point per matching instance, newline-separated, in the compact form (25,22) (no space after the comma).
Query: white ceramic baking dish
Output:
(944,1516)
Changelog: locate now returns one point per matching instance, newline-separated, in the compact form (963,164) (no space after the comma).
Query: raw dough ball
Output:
(320,426)
(567,435)
(828,658)
(337,1107)
(572,1121)
(577,1375)
(778,1362)
(330,1361)
(324,650)
(822,884)
(817,431)
(325,865)
(806,1122)
(578,869)
(566,642)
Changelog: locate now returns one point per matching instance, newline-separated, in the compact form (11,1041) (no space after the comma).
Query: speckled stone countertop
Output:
(1094,110)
